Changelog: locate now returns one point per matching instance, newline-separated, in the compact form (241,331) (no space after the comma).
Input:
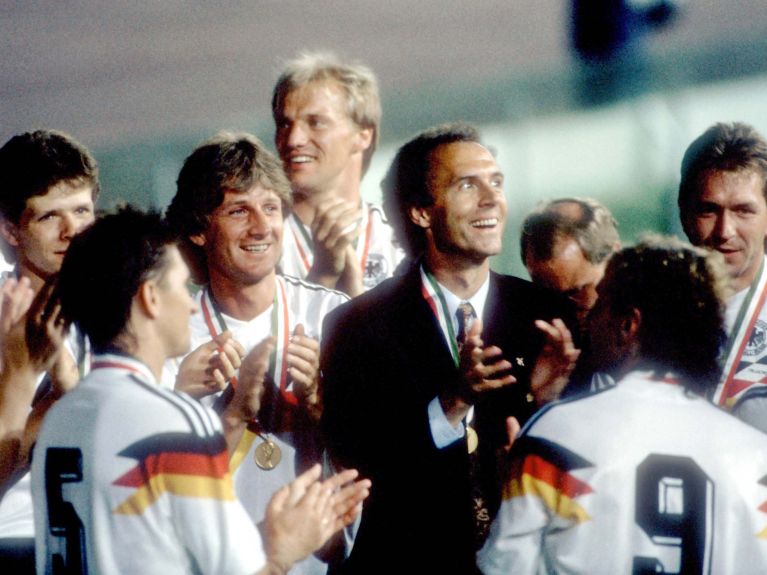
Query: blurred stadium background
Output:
(591,98)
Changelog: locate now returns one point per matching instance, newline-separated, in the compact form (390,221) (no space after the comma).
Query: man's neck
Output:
(142,344)
(242,302)
(745,281)
(461,277)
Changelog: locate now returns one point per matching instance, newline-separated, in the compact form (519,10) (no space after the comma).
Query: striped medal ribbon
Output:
(433,295)
(732,386)
(278,360)
(113,361)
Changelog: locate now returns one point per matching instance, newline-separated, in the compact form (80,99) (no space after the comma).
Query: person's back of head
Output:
(104,268)
(679,291)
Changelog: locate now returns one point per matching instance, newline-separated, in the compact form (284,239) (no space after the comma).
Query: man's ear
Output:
(198,239)
(420,216)
(10,232)
(148,298)
(630,325)
(363,139)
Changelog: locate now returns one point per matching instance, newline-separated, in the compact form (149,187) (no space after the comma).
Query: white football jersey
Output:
(296,302)
(131,478)
(376,249)
(639,478)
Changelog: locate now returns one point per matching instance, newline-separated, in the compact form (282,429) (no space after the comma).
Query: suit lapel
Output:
(419,338)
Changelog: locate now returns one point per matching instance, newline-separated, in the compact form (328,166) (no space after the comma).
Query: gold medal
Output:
(472,439)
(267,455)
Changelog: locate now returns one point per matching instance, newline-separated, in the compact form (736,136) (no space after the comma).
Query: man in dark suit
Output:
(418,385)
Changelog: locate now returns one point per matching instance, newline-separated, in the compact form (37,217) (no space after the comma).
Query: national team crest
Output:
(376,270)
(757,341)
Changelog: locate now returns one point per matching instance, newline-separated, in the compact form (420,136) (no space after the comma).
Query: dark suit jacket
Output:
(383,360)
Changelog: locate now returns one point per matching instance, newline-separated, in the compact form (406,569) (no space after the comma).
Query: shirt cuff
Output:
(442,432)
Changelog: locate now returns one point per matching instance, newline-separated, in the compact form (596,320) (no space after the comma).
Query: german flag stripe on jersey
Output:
(180,464)
(542,469)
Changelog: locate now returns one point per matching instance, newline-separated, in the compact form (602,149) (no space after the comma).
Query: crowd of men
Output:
(351,389)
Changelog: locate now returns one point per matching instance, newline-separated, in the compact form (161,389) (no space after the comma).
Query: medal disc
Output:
(472,439)
(267,455)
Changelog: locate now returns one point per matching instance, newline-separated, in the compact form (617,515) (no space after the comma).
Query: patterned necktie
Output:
(464,314)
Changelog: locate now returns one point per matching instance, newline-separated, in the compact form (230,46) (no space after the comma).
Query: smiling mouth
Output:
(485,223)
(300,159)
(256,249)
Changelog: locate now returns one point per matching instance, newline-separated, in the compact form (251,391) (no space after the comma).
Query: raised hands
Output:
(479,371)
(246,401)
(554,363)
(304,370)
(304,514)
(334,229)
(32,332)
(209,368)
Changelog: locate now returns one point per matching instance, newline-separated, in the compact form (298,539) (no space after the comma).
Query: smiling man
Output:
(723,207)
(326,115)
(229,208)
(132,478)
(421,372)
(48,186)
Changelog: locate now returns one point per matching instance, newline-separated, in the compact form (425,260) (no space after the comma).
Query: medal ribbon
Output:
(433,295)
(278,360)
(304,240)
(738,339)
(109,361)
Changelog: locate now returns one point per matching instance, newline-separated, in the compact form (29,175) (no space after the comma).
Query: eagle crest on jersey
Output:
(543,469)
(177,463)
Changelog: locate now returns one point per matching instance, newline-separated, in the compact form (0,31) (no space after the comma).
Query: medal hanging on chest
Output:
(267,454)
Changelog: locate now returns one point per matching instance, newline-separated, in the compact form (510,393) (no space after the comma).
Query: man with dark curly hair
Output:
(648,494)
